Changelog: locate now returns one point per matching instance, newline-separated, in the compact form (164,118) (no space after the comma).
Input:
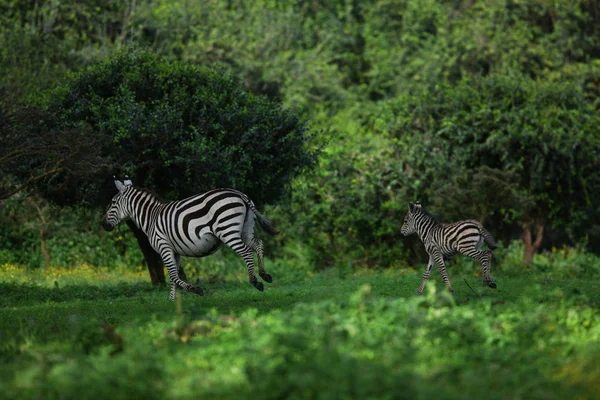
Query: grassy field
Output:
(88,333)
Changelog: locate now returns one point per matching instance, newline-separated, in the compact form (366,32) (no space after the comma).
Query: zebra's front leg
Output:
(425,276)
(257,246)
(439,260)
(171,261)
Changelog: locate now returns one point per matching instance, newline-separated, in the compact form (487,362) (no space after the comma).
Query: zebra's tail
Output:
(489,239)
(264,223)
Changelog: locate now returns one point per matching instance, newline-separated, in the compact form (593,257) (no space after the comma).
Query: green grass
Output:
(337,334)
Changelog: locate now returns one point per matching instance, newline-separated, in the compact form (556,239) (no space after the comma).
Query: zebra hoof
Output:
(492,285)
(267,278)
(198,291)
(259,286)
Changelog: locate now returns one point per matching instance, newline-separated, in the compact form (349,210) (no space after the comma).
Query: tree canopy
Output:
(440,100)
(505,148)
(177,129)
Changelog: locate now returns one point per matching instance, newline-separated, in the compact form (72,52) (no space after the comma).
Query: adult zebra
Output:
(445,240)
(196,227)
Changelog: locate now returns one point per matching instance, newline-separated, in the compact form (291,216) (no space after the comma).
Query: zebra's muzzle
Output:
(107,227)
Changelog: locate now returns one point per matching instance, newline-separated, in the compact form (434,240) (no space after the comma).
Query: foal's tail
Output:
(489,239)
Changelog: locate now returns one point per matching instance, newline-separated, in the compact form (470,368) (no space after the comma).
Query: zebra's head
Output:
(408,226)
(117,212)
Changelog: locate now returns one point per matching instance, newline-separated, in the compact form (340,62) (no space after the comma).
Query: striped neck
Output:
(424,223)
(143,208)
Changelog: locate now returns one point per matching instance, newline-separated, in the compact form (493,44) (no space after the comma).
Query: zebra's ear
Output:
(119,185)
(127,181)
(411,207)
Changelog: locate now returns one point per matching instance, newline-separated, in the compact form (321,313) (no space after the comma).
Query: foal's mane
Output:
(426,213)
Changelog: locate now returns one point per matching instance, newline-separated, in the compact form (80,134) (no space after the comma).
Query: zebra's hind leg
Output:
(485,258)
(257,246)
(172,261)
(243,250)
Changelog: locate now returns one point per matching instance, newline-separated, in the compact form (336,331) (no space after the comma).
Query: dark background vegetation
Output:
(332,115)
(484,110)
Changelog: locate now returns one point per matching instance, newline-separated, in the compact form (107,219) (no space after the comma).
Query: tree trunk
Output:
(43,231)
(43,247)
(153,259)
(532,245)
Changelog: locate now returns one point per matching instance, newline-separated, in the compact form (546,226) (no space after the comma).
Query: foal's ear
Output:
(412,207)
(127,181)
(120,187)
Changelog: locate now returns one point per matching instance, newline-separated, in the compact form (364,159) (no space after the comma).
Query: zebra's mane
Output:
(152,194)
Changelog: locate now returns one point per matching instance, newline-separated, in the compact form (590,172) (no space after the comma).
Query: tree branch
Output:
(126,23)
(53,171)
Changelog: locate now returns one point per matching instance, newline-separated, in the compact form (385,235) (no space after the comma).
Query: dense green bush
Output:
(178,129)
(553,264)
(504,149)
(42,41)
(29,221)
(411,44)
(335,62)
(514,153)
(347,211)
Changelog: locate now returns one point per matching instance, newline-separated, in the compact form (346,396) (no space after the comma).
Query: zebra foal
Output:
(195,227)
(445,240)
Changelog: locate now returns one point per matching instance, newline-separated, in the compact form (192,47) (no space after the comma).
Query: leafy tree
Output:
(33,147)
(304,54)
(348,212)
(40,41)
(411,44)
(329,60)
(177,129)
(536,143)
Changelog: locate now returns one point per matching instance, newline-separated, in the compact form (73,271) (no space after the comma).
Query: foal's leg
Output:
(485,258)
(439,260)
(425,276)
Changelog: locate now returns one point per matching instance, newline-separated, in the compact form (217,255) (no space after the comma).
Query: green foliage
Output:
(41,41)
(557,264)
(322,337)
(34,147)
(302,53)
(347,211)
(178,129)
(411,44)
(536,143)
(394,87)
(28,219)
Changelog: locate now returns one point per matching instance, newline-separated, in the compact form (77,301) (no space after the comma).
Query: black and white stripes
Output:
(445,240)
(193,227)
